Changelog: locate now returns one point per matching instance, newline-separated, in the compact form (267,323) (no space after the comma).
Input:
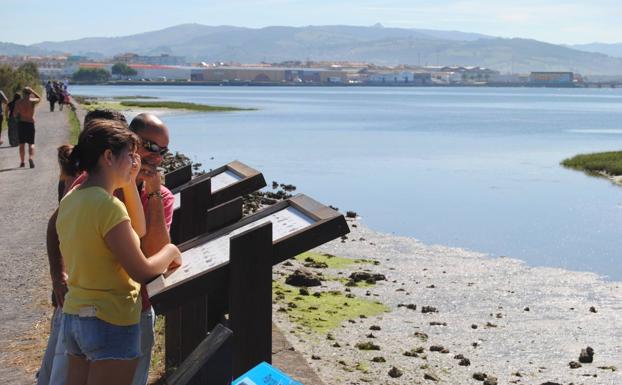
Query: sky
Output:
(560,22)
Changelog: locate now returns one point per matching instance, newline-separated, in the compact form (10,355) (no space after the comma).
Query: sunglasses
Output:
(154,147)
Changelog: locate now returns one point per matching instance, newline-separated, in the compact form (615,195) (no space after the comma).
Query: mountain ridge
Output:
(374,44)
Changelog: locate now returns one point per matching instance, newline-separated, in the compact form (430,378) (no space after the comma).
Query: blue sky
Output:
(552,21)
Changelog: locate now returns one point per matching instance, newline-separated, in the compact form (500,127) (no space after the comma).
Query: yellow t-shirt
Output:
(96,279)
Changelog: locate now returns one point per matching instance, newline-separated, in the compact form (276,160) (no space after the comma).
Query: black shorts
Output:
(26,132)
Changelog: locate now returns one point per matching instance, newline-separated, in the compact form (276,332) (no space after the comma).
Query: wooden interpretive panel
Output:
(213,189)
(298,224)
(178,177)
(227,182)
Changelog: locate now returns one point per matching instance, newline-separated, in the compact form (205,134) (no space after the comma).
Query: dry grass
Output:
(157,369)
(26,350)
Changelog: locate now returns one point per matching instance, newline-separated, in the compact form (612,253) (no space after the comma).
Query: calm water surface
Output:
(474,168)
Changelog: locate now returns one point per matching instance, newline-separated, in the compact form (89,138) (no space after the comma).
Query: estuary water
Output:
(476,168)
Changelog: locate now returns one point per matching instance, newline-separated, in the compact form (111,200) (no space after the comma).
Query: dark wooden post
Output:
(250,297)
(208,352)
(195,201)
(180,340)
(178,177)
(186,326)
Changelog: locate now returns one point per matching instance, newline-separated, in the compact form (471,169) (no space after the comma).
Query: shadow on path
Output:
(12,169)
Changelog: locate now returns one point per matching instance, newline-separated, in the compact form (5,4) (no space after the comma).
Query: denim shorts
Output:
(95,340)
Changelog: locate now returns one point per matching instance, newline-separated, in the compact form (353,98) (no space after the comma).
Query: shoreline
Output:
(528,323)
(278,84)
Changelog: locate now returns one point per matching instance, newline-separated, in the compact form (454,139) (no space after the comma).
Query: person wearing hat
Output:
(25,112)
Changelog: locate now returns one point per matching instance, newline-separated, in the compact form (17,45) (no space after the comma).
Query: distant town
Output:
(130,68)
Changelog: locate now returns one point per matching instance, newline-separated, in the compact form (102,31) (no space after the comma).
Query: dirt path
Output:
(28,197)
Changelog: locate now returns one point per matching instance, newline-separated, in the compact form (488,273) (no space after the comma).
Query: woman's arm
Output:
(132,200)
(127,250)
(57,265)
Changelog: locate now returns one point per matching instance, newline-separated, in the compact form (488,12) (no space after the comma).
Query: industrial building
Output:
(547,78)
(268,75)
(401,77)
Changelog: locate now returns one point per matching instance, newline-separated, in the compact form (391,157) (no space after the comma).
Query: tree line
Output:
(14,80)
(101,75)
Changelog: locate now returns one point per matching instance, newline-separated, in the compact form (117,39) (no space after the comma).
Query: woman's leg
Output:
(22,152)
(78,372)
(105,372)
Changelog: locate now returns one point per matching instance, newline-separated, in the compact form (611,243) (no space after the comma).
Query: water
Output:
(471,167)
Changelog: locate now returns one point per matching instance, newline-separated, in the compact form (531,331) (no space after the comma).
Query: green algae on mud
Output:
(325,311)
(331,261)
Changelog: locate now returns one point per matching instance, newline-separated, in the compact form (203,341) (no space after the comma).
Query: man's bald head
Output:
(148,122)
(150,129)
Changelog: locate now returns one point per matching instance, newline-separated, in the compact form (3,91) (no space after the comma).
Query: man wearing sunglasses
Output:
(158,203)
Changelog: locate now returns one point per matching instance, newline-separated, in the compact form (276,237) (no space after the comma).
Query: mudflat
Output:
(29,196)
(451,316)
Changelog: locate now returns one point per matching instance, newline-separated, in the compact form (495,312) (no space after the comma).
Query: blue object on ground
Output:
(264,374)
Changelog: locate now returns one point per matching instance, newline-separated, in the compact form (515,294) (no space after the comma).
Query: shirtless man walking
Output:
(25,111)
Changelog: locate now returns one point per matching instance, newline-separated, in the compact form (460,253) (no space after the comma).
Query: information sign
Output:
(298,224)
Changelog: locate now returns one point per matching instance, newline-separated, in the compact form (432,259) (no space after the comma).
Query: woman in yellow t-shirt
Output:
(103,258)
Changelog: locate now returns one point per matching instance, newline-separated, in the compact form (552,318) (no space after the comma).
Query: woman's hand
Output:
(177,261)
(136,163)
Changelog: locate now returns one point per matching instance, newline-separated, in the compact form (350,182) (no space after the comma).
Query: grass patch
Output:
(132,97)
(74,125)
(182,106)
(157,368)
(596,163)
(121,103)
(331,261)
(91,105)
(325,312)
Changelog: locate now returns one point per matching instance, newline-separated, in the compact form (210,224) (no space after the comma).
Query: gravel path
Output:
(28,200)
(521,324)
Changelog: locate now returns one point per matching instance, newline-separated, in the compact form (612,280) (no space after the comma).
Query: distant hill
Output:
(614,49)
(11,49)
(377,44)
(155,42)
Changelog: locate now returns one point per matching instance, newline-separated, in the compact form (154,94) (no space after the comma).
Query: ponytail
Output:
(68,159)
